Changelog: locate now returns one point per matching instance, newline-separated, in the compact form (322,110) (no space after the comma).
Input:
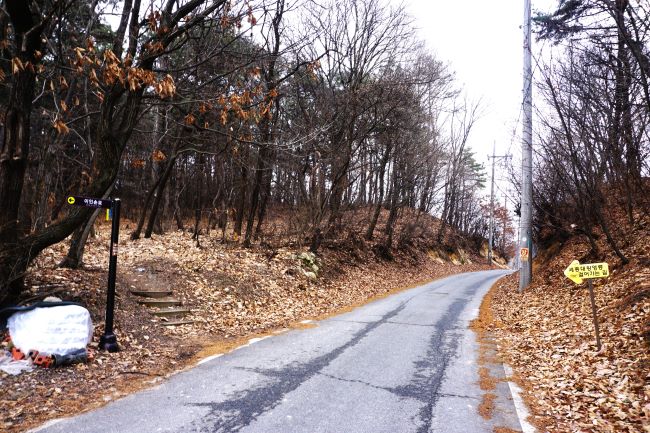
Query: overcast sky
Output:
(482,41)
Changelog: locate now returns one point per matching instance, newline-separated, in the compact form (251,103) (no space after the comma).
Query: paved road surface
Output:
(406,363)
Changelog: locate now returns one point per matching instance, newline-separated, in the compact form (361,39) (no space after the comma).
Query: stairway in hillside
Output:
(163,305)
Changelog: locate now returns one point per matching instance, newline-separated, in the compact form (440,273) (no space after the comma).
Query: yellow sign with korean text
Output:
(577,272)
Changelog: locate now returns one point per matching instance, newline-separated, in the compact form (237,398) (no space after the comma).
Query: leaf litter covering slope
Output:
(548,336)
(234,294)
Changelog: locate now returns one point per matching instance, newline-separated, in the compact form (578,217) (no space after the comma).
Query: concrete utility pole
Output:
(526,232)
(491,234)
(503,236)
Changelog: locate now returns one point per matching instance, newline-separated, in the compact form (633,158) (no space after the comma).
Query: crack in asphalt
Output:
(424,325)
(246,406)
(431,368)
(391,390)
(464,397)
(340,379)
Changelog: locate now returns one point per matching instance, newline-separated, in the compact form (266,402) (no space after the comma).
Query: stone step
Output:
(151,293)
(177,322)
(171,312)
(160,302)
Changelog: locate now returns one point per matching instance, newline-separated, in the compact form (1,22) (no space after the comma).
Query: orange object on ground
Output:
(17,354)
(44,361)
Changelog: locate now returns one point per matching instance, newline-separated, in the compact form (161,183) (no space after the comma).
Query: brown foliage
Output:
(548,337)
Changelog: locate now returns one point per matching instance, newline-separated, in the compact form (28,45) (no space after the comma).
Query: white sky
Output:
(482,41)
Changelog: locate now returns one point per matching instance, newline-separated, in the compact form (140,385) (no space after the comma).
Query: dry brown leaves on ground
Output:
(547,334)
(234,293)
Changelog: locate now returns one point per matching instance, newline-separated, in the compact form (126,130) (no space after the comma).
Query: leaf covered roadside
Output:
(234,293)
(547,335)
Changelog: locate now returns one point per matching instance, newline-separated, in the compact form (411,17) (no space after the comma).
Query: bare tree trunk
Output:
(243,188)
(444,215)
(610,239)
(392,214)
(198,200)
(158,196)
(15,147)
(74,258)
(380,199)
(143,214)
(43,188)
(255,194)
(266,193)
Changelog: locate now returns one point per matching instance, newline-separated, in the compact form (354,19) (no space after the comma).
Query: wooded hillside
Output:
(222,112)
(593,155)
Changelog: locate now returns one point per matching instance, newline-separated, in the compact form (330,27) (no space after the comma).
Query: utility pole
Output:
(491,234)
(503,235)
(526,232)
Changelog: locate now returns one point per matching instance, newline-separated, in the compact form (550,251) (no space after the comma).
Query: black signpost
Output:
(108,341)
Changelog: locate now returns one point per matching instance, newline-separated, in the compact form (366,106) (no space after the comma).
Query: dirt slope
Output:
(547,334)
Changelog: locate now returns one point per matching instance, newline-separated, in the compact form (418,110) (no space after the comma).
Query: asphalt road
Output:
(406,363)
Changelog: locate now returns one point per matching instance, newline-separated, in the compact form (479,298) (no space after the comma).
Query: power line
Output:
(491,233)
(536,59)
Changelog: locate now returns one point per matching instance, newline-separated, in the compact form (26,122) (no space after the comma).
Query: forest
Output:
(296,120)
(281,163)
(300,121)
(592,165)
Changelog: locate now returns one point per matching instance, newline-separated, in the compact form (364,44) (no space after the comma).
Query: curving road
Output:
(406,363)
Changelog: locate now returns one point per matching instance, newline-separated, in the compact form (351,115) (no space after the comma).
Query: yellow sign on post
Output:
(577,272)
